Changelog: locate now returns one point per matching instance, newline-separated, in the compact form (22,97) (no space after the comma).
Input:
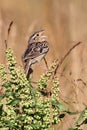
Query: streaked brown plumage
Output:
(35,51)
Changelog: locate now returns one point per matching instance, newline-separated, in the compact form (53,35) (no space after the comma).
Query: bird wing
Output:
(33,50)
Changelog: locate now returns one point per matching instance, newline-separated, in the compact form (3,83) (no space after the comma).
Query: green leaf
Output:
(15,102)
(82,116)
(7,94)
(33,91)
(1,97)
(83,122)
(11,125)
(60,106)
(21,118)
(6,84)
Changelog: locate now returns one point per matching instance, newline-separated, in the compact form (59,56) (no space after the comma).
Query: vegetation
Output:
(23,107)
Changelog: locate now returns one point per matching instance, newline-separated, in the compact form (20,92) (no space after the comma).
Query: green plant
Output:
(82,120)
(22,107)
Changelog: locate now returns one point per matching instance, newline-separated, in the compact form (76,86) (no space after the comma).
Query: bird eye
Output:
(37,34)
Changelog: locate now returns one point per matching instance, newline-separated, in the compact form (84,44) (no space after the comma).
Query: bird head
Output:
(38,36)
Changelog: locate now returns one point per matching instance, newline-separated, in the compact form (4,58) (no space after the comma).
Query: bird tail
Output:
(27,69)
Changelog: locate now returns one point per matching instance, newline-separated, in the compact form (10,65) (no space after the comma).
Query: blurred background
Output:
(64,22)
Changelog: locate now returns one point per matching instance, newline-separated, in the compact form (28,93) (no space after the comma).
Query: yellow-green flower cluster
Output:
(56,119)
(25,106)
(46,117)
(3,73)
(55,89)
(55,98)
(42,83)
(10,58)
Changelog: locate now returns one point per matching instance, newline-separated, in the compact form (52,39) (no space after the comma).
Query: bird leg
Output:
(46,63)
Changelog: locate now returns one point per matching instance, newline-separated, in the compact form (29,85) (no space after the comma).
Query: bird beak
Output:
(43,37)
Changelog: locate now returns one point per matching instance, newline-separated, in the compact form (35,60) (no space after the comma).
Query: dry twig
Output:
(46,63)
(9,29)
(64,57)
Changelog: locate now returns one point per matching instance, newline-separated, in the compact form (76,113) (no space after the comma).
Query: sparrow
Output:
(36,50)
